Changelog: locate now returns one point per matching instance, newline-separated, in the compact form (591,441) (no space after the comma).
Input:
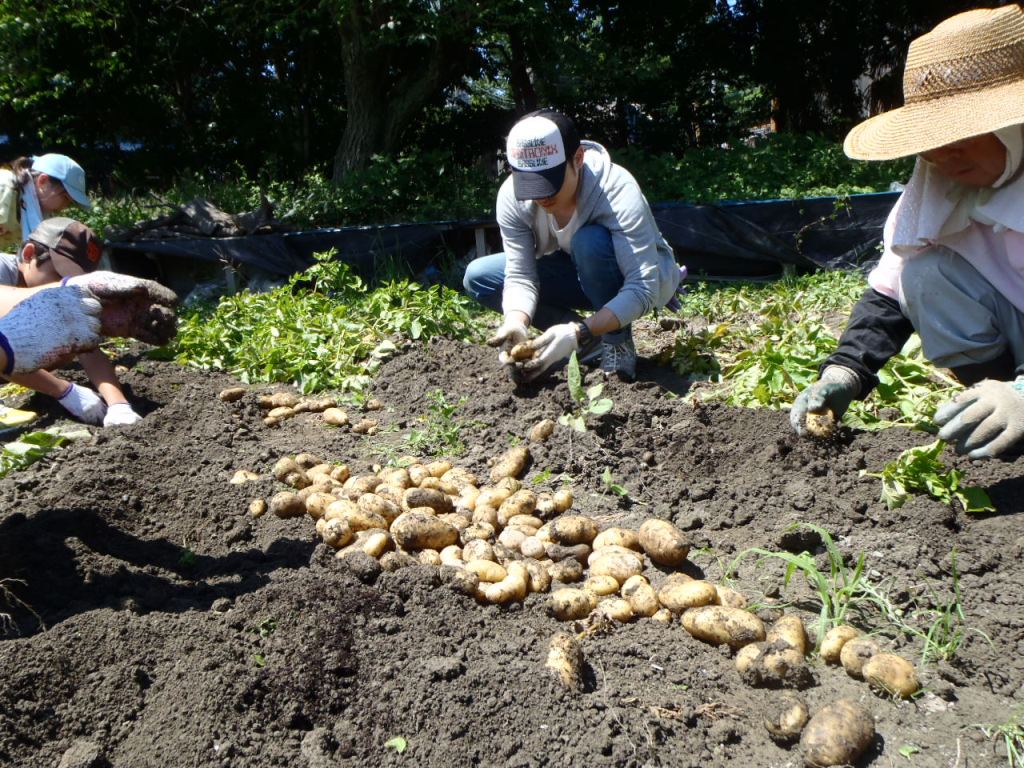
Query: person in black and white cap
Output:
(578,234)
(57,251)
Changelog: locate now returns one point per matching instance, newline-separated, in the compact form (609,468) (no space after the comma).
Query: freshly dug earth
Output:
(155,622)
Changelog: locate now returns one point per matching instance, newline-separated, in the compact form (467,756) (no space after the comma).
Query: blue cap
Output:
(67,172)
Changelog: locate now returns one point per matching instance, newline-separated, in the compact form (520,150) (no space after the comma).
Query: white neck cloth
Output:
(31,213)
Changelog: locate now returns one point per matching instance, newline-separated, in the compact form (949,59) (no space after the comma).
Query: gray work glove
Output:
(984,420)
(834,391)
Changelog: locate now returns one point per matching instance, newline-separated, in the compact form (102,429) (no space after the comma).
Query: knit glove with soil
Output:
(985,420)
(132,307)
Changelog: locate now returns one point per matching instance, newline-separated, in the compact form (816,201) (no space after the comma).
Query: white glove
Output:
(985,420)
(48,326)
(120,415)
(132,306)
(509,333)
(552,346)
(84,404)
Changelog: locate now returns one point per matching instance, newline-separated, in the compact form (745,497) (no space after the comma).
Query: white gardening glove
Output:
(984,420)
(84,404)
(48,326)
(552,346)
(509,333)
(132,307)
(120,415)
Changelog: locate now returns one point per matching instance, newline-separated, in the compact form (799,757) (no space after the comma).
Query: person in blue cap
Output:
(34,188)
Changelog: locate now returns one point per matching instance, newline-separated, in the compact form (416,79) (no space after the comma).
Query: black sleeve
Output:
(877,330)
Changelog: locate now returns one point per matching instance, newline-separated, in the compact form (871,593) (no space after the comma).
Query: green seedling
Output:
(441,434)
(1011,734)
(187,558)
(33,446)
(398,743)
(267,627)
(611,486)
(909,749)
(587,401)
(919,470)
(259,660)
(542,477)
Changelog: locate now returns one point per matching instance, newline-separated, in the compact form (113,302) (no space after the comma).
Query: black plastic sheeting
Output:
(755,239)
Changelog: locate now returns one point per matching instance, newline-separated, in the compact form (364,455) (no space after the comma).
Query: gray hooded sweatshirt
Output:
(608,196)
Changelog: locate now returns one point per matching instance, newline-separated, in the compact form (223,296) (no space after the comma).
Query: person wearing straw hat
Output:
(578,235)
(952,267)
(32,188)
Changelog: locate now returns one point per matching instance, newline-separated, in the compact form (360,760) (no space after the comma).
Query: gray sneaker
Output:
(591,352)
(619,359)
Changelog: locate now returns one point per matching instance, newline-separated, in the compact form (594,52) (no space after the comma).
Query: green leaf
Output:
(595,391)
(975,500)
(909,749)
(575,380)
(601,406)
(399,744)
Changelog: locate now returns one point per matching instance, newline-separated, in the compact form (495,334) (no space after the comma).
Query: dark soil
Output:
(156,623)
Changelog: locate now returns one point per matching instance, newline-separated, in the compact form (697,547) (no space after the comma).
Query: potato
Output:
(511,538)
(432,483)
(485,513)
(524,522)
(457,480)
(511,589)
(663,616)
(746,656)
(418,473)
(290,473)
(320,485)
(542,430)
(396,561)
(718,624)
(427,497)
(776,665)
(615,608)
(396,477)
(467,498)
(452,555)
(357,485)
(278,400)
(335,417)
(618,537)
(243,476)
(856,653)
(477,531)
(565,660)
(562,499)
(257,507)
(438,468)
(459,580)
(834,641)
(821,424)
(521,503)
(372,542)
(664,543)
(430,557)
(545,506)
(487,570)
(641,595)
(360,519)
(678,578)
(336,533)
(567,571)
(307,460)
(417,530)
(378,505)
(617,565)
(789,630)
(729,596)
(477,549)
(602,585)
(455,520)
(511,463)
(573,529)
(532,547)
(365,427)
(568,604)
(339,508)
(493,496)
(521,352)
(785,717)
(231,394)
(892,674)
(503,554)
(317,503)
(679,596)
(540,579)
(581,552)
(287,504)
(837,735)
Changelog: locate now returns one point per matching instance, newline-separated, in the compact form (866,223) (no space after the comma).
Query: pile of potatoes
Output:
(279,406)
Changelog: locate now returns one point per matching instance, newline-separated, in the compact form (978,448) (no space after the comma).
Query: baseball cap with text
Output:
(538,147)
(74,249)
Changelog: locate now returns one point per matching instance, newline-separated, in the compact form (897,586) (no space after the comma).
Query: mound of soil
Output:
(154,622)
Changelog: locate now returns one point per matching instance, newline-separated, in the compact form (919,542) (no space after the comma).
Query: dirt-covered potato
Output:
(357,485)
(511,463)
(458,580)
(487,570)
(287,504)
(452,555)
(339,508)
(746,656)
(663,616)
(277,400)
(616,609)
(568,571)
(891,674)
(335,417)
(432,483)
(533,547)
(360,519)
(540,579)
(378,505)
(718,624)
(774,665)
(258,507)
(785,717)
(837,734)
(485,513)
(307,460)
(664,543)
(477,532)
(494,495)
(835,639)
(512,589)
(418,473)
(856,653)
(365,427)
(457,521)
(562,499)
(429,557)
(730,597)
(618,565)
(521,503)
(418,530)
(456,480)
(641,596)
(545,506)
(511,538)
(243,476)
(542,430)
(821,424)
(427,497)
(317,504)
(617,537)
(679,596)
(789,629)
(231,394)
(602,586)
(284,412)
(290,473)
(557,552)
(565,660)
(371,542)
(569,604)
(573,529)
(336,533)
(396,561)
(522,352)
(477,549)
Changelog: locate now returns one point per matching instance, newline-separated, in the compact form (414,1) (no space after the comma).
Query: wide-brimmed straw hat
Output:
(964,78)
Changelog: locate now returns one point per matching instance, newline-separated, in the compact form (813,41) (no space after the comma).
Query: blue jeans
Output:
(588,278)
